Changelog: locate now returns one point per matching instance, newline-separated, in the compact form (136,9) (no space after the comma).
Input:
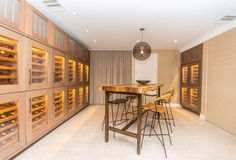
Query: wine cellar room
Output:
(44,76)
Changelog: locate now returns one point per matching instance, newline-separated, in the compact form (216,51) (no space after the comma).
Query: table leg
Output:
(159,92)
(139,108)
(106,116)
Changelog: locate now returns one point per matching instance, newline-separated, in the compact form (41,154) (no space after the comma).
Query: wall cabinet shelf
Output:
(80,72)
(12,131)
(72,71)
(191,79)
(80,97)
(86,73)
(86,98)
(71,100)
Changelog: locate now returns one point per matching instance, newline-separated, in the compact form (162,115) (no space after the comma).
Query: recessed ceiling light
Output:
(175,41)
(87,30)
(95,41)
(74,13)
(137,41)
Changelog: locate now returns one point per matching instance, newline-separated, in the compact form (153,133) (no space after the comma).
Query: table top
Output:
(131,88)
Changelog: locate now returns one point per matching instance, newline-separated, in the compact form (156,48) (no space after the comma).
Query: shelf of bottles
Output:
(80,72)
(71,71)
(8,61)
(81,96)
(59,104)
(195,74)
(86,73)
(71,99)
(184,95)
(86,94)
(38,72)
(39,111)
(185,74)
(194,97)
(9,129)
(59,65)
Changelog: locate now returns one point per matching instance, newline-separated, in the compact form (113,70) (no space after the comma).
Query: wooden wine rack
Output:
(9,129)
(80,72)
(71,100)
(184,95)
(38,72)
(71,71)
(59,65)
(185,74)
(8,61)
(81,96)
(195,74)
(86,73)
(59,104)
(86,94)
(39,111)
(194,97)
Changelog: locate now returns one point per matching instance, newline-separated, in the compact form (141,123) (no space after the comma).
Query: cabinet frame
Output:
(71,113)
(47,84)
(20,86)
(68,71)
(54,45)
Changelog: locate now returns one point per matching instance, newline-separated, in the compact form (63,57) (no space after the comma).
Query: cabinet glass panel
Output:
(39,111)
(71,71)
(59,65)
(71,100)
(195,74)
(184,95)
(86,94)
(72,46)
(185,74)
(59,104)
(8,61)
(80,72)
(194,97)
(39,64)
(81,96)
(59,39)
(9,129)
(86,73)
(39,26)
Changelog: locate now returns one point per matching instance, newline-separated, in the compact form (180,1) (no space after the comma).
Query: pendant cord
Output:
(142,36)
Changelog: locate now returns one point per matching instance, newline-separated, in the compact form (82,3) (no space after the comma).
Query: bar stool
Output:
(117,103)
(158,111)
(171,92)
(132,103)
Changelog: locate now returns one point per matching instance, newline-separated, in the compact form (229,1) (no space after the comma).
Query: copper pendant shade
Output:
(141,50)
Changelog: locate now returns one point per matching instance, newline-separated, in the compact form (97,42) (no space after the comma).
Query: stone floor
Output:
(81,138)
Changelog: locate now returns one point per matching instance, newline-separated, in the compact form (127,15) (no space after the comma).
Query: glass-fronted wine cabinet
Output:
(72,100)
(191,68)
(59,103)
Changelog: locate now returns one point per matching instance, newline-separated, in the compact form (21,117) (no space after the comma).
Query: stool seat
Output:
(154,108)
(118,101)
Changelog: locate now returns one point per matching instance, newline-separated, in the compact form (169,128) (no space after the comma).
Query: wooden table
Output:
(134,89)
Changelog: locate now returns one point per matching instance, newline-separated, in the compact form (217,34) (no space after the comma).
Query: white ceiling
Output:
(114,24)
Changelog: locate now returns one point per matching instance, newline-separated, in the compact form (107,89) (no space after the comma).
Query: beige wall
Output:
(169,71)
(219,81)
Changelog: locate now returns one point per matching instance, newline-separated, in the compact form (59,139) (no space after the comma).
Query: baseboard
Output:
(202,117)
(175,105)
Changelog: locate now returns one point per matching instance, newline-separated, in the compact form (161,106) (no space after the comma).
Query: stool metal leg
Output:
(145,125)
(172,117)
(167,128)
(163,141)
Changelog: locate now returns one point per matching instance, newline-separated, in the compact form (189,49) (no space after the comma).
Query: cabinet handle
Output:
(30,76)
(30,106)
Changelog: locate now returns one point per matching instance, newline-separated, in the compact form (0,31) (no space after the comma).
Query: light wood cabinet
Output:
(72,69)
(12,14)
(39,69)
(86,95)
(73,47)
(12,120)
(59,68)
(37,24)
(86,73)
(80,73)
(59,105)
(80,97)
(11,61)
(38,109)
(59,39)
(72,94)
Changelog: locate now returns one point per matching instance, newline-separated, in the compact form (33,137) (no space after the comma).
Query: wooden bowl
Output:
(143,82)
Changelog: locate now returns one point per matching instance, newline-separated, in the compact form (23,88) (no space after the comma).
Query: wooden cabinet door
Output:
(58,112)
(72,101)
(59,63)
(86,73)
(11,61)
(37,24)
(80,70)
(72,71)
(39,68)
(38,106)
(86,95)
(12,123)
(80,97)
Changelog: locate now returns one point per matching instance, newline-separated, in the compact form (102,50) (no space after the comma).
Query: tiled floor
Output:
(81,138)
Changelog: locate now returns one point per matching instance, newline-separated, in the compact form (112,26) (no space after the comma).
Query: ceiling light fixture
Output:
(141,50)
(87,30)
(74,13)
(175,41)
(95,41)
